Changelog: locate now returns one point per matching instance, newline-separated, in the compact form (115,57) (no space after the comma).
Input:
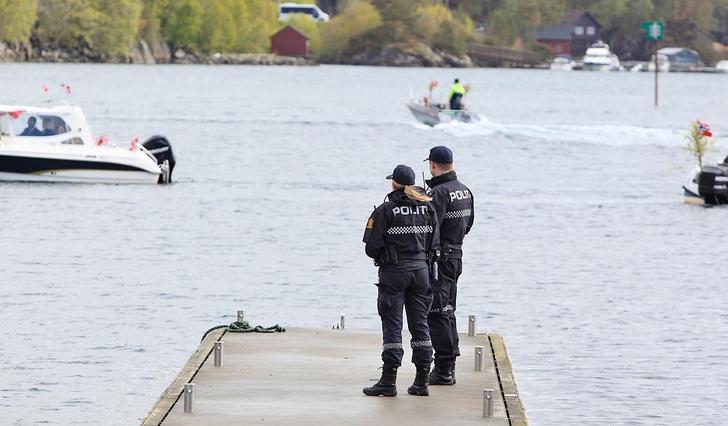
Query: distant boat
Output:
(433,115)
(598,57)
(663,63)
(562,63)
(722,66)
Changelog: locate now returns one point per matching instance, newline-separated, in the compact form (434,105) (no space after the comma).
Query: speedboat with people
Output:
(598,57)
(55,143)
(708,185)
(430,113)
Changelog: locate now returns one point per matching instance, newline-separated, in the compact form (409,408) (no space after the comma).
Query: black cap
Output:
(457,80)
(440,154)
(403,175)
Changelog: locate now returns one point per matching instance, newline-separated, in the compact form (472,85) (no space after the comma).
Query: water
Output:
(608,290)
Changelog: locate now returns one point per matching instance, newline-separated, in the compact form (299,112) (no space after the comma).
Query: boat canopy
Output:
(21,122)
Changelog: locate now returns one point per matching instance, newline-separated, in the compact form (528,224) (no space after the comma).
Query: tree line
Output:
(111,27)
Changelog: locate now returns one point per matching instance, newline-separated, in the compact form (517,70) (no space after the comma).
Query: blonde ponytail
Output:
(412,193)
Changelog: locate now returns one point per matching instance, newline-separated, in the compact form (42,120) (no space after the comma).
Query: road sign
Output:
(654,30)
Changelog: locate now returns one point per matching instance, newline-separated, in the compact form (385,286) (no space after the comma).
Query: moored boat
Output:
(598,57)
(56,144)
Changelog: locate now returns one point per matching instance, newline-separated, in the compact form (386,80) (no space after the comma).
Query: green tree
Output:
(66,23)
(262,23)
(16,19)
(218,30)
(181,23)
(118,26)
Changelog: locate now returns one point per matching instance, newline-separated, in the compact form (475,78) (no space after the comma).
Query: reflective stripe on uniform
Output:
(421,344)
(390,346)
(446,308)
(458,214)
(414,229)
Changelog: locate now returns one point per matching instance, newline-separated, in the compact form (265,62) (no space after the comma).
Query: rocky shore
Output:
(160,53)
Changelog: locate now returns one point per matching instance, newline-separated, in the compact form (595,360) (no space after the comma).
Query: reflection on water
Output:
(608,290)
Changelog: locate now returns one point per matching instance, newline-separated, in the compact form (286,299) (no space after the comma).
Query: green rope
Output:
(244,327)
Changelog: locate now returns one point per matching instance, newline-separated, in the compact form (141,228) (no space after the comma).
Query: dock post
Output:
(471,325)
(218,354)
(342,321)
(487,402)
(241,316)
(479,358)
(189,397)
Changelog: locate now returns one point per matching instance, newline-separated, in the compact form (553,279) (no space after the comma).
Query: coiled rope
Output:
(244,327)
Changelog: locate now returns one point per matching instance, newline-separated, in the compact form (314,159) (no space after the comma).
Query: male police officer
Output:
(399,236)
(454,209)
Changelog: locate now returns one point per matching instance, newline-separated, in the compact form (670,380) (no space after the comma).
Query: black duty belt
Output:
(421,256)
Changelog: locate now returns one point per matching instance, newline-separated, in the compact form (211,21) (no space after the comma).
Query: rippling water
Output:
(609,291)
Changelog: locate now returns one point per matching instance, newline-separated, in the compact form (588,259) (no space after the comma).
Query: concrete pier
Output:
(315,377)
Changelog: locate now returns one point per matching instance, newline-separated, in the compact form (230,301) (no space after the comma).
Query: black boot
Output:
(452,371)
(441,374)
(419,387)
(387,384)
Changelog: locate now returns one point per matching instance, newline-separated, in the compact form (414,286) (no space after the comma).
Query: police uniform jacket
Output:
(454,208)
(401,232)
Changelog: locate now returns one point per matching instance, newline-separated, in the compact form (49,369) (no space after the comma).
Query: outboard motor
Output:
(160,147)
(713,184)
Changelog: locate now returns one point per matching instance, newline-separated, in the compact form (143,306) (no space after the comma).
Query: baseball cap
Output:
(403,175)
(440,154)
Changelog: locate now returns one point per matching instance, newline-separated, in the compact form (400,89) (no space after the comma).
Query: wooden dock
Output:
(315,377)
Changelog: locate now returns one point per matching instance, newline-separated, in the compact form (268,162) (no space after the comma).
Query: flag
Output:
(705,129)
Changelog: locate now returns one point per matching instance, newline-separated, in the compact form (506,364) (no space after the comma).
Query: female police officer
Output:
(399,237)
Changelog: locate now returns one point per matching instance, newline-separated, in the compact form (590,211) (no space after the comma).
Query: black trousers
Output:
(441,319)
(456,101)
(409,290)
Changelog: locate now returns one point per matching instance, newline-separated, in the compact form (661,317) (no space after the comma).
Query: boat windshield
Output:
(33,124)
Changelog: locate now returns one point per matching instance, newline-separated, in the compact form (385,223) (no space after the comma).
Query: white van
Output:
(286,9)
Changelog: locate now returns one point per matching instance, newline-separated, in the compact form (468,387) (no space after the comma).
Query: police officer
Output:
(399,235)
(454,209)
(457,91)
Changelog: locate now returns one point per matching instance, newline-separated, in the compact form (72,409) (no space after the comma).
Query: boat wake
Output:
(616,135)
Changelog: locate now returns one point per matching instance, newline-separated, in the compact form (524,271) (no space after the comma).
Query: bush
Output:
(181,23)
(359,17)
(117,26)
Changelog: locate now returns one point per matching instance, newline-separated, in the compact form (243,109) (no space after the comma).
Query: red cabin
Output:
(289,42)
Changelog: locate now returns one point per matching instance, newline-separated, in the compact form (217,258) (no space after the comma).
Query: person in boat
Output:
(48,129)
(457,91)
(454,209)
(399,236)
(31,130)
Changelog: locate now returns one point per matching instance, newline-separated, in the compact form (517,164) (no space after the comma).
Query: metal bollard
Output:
(487,402)
(479,358)
(189,397)
(342,321)
(241,316)
(471,325)
(218,354)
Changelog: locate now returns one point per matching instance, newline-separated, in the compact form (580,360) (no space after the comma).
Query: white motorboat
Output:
(56,144)
(432,115)
(663,63)
(598,57)
(562,63)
